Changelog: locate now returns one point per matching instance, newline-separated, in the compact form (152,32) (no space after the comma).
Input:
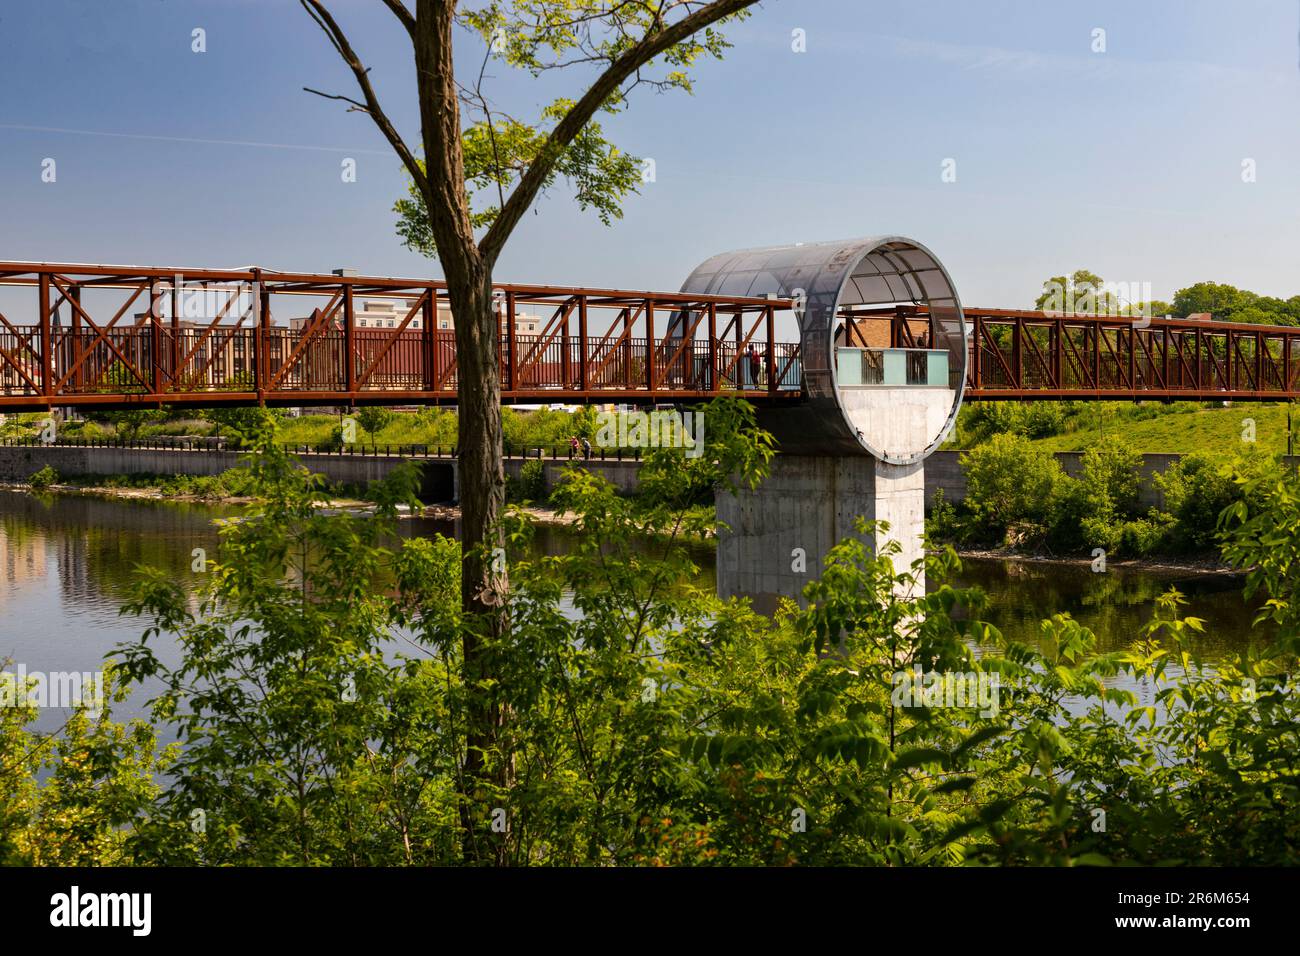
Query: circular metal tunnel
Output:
(830,283)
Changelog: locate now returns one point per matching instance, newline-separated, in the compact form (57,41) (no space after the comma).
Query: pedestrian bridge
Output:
(100,336)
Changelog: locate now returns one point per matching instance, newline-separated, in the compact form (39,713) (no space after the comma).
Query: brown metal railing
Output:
(104,335)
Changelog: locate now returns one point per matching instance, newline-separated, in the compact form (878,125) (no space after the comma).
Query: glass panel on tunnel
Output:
(892,353)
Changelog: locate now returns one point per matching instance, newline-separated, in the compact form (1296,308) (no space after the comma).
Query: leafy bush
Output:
(1196,491)
(531,483)
(128,423)
(334,441)
(43,479)
(1142,536)
(980,421)
(651,723)
(1094,510)
(1112,470)
(1010,486)
(943,523)
(1017,494)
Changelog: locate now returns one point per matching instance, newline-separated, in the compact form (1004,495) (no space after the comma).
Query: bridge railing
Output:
(99,335)
(1024,355)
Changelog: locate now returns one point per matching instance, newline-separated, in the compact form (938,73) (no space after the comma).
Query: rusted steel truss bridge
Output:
(102,336)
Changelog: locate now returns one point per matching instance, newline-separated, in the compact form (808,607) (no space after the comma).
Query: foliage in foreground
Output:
(320,704)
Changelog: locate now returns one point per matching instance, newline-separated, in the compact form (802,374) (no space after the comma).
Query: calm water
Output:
(66,564)
(1114,605)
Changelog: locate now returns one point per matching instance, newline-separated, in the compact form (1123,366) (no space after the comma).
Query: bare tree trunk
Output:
(483,578)
(482,470)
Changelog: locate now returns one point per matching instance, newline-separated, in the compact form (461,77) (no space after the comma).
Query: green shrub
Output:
(1112,471)
(1196,489)
(1011,485)
(980,421)
(240,426)
(1094,510)
(531,483)
(334,441)
(44,478)
(943,523)
(1142,536)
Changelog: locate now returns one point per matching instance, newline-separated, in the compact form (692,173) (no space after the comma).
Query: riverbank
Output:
(437,512)
(1187,564)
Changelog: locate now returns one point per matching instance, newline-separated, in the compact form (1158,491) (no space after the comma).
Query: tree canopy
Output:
(1087,292)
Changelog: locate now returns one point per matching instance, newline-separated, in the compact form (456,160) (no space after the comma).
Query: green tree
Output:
(74,797)
(1200,486)
(1218,300)
(625,45)
(1113,468)
(1096,510)
(128,423)
(241,423)
(1083,292)
(375,418)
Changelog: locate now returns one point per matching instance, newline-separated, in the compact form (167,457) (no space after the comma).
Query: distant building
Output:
(389,313)
(224,358)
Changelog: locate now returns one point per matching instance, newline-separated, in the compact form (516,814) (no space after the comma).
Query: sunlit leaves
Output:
(496,154)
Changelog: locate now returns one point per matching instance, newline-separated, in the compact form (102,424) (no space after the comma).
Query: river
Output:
(66,564)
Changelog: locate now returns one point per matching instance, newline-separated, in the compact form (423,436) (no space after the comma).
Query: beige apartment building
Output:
(389,313)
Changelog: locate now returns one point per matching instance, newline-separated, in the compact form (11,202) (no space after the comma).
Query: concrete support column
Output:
(781,531)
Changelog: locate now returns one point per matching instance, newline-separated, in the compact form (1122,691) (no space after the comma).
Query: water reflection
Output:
(1114,605)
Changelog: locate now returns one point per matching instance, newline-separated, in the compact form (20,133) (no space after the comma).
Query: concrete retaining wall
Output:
(18,463)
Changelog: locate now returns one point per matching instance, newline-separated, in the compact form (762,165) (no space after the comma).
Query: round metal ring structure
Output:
(896,418)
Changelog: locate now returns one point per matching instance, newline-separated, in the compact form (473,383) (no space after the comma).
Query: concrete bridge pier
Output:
(780,533)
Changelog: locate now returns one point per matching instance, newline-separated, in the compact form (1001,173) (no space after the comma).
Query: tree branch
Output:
(356,107)
(338,39)
(650,46)
(404,15)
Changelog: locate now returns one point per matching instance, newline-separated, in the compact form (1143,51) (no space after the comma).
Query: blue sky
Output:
(1127,162)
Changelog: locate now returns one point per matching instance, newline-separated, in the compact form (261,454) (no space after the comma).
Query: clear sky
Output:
(1127,162)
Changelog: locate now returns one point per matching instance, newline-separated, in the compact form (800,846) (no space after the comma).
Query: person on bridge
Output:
(573,446)
(753,365)
(586,448)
